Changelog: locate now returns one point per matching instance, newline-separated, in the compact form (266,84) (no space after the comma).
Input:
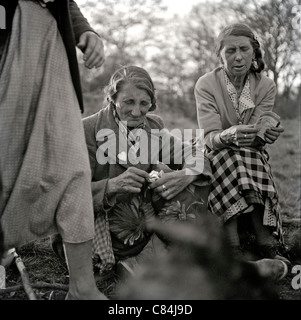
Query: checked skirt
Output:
(237,171)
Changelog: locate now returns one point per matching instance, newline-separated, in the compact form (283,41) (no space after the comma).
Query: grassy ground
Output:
(49,275)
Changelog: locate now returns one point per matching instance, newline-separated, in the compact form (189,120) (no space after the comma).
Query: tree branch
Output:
(38,285)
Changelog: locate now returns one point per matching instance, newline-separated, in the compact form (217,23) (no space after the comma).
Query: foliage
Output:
(177,50)
(280,41)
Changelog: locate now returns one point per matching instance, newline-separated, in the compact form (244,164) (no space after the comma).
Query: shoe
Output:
(272,268)
(272,252)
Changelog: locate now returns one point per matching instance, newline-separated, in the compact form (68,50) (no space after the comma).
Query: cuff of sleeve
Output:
(108,203)
(218,143)
(78,31)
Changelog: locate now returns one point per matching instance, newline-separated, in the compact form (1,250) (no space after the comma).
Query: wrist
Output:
(111,187)
(225,139)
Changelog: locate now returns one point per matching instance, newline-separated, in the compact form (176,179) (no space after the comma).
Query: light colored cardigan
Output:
(215,109)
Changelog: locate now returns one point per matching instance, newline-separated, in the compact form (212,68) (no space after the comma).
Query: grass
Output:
(43,265)
(285,160)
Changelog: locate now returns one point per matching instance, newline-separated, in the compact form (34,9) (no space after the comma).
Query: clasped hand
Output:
(271,135)
(171,183)
(244,135)
(130,181)
(133,179)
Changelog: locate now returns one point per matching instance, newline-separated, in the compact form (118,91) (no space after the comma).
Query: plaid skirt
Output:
(237,172)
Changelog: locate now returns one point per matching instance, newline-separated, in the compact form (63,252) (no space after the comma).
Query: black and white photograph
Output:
(150,153)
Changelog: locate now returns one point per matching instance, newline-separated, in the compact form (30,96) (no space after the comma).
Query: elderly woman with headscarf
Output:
(231,100)
(140,170)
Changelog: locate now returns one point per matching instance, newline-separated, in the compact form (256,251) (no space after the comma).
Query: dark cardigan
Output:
(71,24)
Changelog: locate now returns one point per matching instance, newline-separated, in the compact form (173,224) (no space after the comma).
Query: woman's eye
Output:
(128,101)
(145,103)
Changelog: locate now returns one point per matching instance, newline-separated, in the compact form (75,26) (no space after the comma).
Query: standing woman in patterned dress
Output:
(44,165)
(230,100)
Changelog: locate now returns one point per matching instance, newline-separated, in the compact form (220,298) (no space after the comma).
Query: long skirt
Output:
(45,176)
(242,178)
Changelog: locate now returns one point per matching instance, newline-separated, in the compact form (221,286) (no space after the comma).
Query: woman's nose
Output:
(136,112)
(238,55)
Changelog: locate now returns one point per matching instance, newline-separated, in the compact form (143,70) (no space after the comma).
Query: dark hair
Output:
(240,29)
(130,74)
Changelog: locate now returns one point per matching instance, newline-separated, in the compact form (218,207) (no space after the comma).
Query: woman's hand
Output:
(172,183)
(240,135)
(271,135)
(92,47)
(130,181)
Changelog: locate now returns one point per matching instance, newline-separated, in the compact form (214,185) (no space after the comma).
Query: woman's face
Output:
(237,55)
(132,104)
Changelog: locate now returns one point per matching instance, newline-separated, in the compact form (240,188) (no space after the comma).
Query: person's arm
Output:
(79,23)
(98,187)
(268,94)
(87,39)
(209,118)
(194,168)
(177,152)
(102,201)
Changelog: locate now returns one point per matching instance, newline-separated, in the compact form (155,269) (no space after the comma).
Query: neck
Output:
(238,81)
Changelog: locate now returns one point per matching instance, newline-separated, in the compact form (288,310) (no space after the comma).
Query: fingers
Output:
(246,129)
(276,129)
(141,173)
(135,178)
(93,49)
(94,57)
(244,139)
(271,135)
(164,187)
(268,140)
(164,191)
(130,181)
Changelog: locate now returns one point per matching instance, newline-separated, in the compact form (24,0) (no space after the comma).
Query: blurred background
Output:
(175,41)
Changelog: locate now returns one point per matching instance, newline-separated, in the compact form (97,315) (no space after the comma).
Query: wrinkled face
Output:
(132,104)
(237,55)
